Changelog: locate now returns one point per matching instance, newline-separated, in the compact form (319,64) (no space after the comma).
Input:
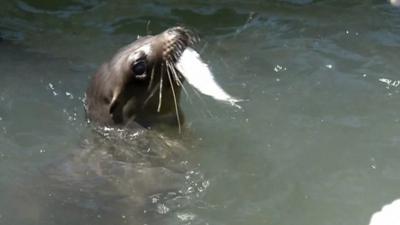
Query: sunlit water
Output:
(316,141)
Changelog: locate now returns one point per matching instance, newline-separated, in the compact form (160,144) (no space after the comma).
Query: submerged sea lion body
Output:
(140,83)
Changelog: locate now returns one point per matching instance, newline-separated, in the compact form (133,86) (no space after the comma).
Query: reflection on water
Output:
(316,141)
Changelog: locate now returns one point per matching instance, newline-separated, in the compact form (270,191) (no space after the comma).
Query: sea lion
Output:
(121,176)
(141,83)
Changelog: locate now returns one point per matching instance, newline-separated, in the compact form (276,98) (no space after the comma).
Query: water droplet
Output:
(373,163)
(68,94)
(278,68)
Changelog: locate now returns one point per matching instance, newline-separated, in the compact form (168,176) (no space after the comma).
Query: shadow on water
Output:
(117,177)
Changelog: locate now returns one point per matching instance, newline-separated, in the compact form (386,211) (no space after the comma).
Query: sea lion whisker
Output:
(160,89)
(183,45)
(148,31)
(175,101)
(156,87)
(179,83)
(175,75)
(151,79)
(172,68)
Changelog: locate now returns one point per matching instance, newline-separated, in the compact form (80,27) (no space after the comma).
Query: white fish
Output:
(197,74)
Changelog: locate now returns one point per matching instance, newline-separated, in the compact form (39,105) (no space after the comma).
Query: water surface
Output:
(316,140)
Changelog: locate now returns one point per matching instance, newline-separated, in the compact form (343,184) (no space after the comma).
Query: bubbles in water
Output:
(71,116)
(154,199)
(185,217)
(373,163)
(51,86)
(389,82)
(204,185)
(279,68)
(162,209)
(68,94)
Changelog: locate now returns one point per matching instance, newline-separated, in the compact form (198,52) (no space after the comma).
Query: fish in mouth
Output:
(141,82)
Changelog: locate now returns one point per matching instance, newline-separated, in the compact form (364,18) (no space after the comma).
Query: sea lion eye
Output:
(139,68)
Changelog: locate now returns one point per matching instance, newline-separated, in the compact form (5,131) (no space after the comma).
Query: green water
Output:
(316,141)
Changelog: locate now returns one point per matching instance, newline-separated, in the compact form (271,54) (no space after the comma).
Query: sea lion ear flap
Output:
(113,105)
(114,100)
(116,114)
(113,110)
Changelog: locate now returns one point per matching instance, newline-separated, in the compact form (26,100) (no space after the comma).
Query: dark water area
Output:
(316,141)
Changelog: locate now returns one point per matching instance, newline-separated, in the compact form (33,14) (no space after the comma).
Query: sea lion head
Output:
(140,83)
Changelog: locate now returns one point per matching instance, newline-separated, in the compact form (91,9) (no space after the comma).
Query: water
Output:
(315,143)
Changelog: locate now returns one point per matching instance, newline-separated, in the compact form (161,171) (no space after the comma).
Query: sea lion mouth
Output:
(172,43)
